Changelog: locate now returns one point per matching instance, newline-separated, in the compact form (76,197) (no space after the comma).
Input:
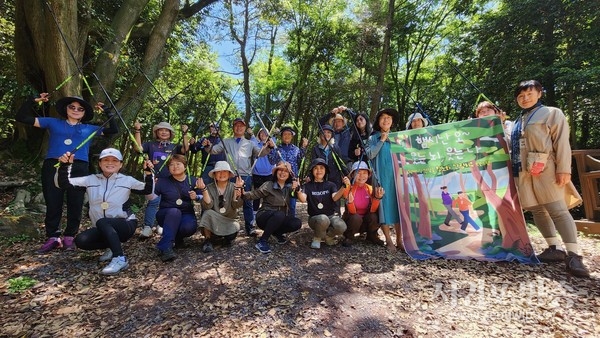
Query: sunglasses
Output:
(74,108)
(221,201)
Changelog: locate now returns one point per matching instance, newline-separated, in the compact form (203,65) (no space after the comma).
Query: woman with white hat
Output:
(416,121)
(107,193)
(65,134)
(220,203)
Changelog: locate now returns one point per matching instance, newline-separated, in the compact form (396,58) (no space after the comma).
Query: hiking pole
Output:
(363,150)
(418,106)
(333,152)
(481,94)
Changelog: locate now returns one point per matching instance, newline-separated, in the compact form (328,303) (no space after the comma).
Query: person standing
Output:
(159,151)
(541,159)
(239,152)
(379,152)
(341,132)
(290,153)
(262,170)
(108,193)
(359,137)
(65,134)
(208,160)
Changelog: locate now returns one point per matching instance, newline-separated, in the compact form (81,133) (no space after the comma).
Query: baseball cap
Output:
(111,152)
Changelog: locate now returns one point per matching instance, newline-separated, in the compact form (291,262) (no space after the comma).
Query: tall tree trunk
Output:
(378,92)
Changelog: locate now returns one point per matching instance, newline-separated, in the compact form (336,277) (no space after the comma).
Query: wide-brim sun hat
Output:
(318,161)
(338,117)
(164,125)
(111,152)
(221,166)
(416,116)
(359,165)
(61,107)
(282,166)
(387,111)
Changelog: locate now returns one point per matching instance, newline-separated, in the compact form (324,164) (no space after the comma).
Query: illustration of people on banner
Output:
(477,215)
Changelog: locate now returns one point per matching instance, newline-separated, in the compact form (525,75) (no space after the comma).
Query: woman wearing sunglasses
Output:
(65,135)
(220,202)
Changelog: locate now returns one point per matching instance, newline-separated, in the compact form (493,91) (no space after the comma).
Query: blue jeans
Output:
(150,213)
(248,211)
(176,226)
(468,220)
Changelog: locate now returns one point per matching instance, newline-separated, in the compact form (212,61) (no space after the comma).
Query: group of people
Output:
(351,163)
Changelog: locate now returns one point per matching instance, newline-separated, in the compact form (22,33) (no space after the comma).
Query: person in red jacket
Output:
(361,207)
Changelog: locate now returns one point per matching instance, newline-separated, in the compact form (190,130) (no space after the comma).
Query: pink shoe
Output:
(51,244)
(68,243)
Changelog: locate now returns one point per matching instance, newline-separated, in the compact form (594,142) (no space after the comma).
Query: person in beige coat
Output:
(541,158)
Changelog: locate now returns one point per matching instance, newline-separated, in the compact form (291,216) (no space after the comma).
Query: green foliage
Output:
(5,241)
(20,284)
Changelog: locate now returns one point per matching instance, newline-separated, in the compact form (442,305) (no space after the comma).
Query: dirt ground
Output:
(360,291)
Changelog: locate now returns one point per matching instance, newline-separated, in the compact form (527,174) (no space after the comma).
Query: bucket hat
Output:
(164,125)
(221,166)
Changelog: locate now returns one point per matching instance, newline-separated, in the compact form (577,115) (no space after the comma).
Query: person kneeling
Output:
(274,216)
(220,202)
(108,192)
(361,207)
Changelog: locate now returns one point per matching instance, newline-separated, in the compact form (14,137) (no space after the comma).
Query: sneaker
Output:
(552,254)
(106,256)
(69,243)
(281,239)
(146,232)
(51,244)
(574,265)
(207,246)
(263,247)
(316,243)
(330,241)
(116,264)
(159,230)
(167,255)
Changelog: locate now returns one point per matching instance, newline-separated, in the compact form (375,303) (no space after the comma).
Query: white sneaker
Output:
(116,264)
(106,256)
(146,232)
(159,230)
(316,243)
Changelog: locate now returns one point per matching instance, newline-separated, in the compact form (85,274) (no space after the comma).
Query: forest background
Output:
(293,61)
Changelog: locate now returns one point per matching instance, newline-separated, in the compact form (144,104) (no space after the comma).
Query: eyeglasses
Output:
(79,109)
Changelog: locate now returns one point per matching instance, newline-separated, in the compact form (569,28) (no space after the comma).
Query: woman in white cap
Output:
(176,214)
(220,203)
(107,192)
(416,121)
(65,134)
(274,216)
(361,207)
(159,151)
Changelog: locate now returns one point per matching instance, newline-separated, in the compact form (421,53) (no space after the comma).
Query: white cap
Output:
(111,152)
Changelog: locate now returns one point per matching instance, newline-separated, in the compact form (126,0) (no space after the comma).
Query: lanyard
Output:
(522,126)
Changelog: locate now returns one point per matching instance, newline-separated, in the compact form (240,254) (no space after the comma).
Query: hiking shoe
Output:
(330,240)
(207,247)
(159,230)
(68,243)
(316,243)
(106,256)
(281,239)
(552,254)
(251,232)
(574,265)
(263,247)
(167,255)
(51,244)
(146,232)
(116,264)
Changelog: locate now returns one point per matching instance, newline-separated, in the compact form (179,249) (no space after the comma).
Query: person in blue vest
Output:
(65,134)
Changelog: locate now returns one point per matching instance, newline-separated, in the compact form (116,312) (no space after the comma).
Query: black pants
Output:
(276,222)
(108,233)
(54,198)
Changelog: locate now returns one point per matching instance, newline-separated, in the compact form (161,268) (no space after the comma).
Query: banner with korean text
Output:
(456,195)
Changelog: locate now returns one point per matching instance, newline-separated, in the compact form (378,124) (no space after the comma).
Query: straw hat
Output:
(221,166)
